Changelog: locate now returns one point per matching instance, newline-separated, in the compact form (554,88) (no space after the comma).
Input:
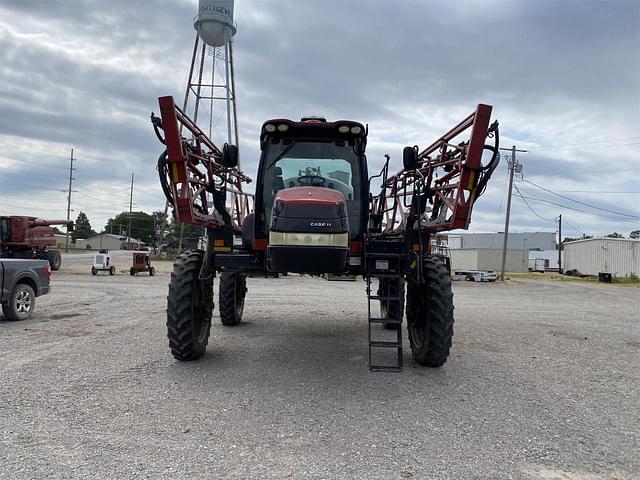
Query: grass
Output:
(630,281)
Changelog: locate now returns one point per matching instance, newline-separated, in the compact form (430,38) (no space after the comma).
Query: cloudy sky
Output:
(563,77)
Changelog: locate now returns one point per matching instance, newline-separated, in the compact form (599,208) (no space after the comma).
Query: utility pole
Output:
(514,166)
(66,240)
(130,213)
(560,243)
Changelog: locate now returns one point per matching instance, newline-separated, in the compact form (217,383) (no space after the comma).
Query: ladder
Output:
(387,268)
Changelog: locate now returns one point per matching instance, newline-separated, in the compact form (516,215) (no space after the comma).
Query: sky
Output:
(563,78)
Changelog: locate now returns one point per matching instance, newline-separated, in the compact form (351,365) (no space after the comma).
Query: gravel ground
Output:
(543,383)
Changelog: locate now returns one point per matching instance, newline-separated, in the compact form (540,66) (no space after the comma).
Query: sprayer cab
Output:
(311,195)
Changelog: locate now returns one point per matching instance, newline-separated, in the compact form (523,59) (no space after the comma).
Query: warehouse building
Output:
(617,256)
(483,251)
(108,241)
(516,241)
(488,259)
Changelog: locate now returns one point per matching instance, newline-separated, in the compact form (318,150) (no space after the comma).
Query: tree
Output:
(635,234)
(82,227)
(141,226)
(190,235)
(160,228)
(614,235)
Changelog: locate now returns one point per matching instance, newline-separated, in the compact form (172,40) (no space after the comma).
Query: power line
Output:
(530,208)
(601,143)
(594,191)
(582,203)
(576,209)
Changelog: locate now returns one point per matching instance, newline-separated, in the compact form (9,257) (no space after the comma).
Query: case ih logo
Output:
(320,224)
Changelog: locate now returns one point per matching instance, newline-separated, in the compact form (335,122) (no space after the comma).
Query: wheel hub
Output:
(23,302)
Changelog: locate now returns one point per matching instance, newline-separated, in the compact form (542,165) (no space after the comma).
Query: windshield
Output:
(333,165)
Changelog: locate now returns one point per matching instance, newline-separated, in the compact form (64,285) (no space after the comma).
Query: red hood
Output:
(309,196)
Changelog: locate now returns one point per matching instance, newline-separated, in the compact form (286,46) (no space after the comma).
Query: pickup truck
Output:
(21,281)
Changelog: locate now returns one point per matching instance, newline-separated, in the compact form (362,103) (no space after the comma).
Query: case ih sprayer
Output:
(313,213)
(30,237)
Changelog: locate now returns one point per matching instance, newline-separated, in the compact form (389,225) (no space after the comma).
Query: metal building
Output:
(488,259)
(516,241)
(617,256)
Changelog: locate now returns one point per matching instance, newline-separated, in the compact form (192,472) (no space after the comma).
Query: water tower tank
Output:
(213,17)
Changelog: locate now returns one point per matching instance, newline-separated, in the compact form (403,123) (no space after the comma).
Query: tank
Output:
(214,16)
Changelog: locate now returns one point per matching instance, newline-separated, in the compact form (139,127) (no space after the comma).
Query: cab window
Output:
(333,165)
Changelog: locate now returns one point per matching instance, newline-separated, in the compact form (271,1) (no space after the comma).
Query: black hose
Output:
(490,167)
(157,125)
(163,173)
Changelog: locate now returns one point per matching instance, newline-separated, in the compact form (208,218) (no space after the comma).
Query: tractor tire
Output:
(22,302)
(247,231)
(132,272)
(152,271)
(233,289)
(112,271)
(189,308)
(55,259)
(388,288)
(94,271)
(430,315)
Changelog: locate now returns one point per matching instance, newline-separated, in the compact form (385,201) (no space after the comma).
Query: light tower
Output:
(207,96)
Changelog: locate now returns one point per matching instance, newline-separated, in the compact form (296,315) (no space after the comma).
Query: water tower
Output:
(211,82)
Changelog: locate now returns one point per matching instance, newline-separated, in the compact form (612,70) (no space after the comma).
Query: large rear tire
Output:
(430,315)
(55,259)
(233,289)
(22,302)
(189,308)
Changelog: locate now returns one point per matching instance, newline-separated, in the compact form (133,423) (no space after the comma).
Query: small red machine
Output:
(142,263)
(30,237)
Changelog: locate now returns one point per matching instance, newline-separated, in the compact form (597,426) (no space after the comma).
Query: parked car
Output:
(21,281)
(475,275)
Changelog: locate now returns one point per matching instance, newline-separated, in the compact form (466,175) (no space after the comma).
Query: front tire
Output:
(112,271)
(132,272)
(430,315)
(152,271)
(22,302)
(189,308)
(55,259)
(94,271)
(233,289)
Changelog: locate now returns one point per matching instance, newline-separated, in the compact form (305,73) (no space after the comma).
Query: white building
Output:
(617,256)
(488,259)
(516,241)
(111,242)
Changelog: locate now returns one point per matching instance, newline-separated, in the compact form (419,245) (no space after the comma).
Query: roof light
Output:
(356,129)
(270,128)
(343,128)
(283,127)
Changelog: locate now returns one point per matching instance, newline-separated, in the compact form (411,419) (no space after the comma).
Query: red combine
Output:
(30,237)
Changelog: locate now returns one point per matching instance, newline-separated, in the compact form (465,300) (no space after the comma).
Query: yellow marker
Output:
(472,176)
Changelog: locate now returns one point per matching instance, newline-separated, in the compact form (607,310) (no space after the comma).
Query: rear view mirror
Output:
(410,158)
(229,156)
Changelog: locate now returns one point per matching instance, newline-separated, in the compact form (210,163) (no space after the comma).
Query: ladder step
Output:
(383,368)
(375,274)
(386,298)
(385,344)
(385,320)
(383,255)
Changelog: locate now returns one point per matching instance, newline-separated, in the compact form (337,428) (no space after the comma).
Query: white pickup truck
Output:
(475,275)
(21,281)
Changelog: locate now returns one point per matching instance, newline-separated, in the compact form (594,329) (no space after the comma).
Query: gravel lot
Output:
(543,383)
